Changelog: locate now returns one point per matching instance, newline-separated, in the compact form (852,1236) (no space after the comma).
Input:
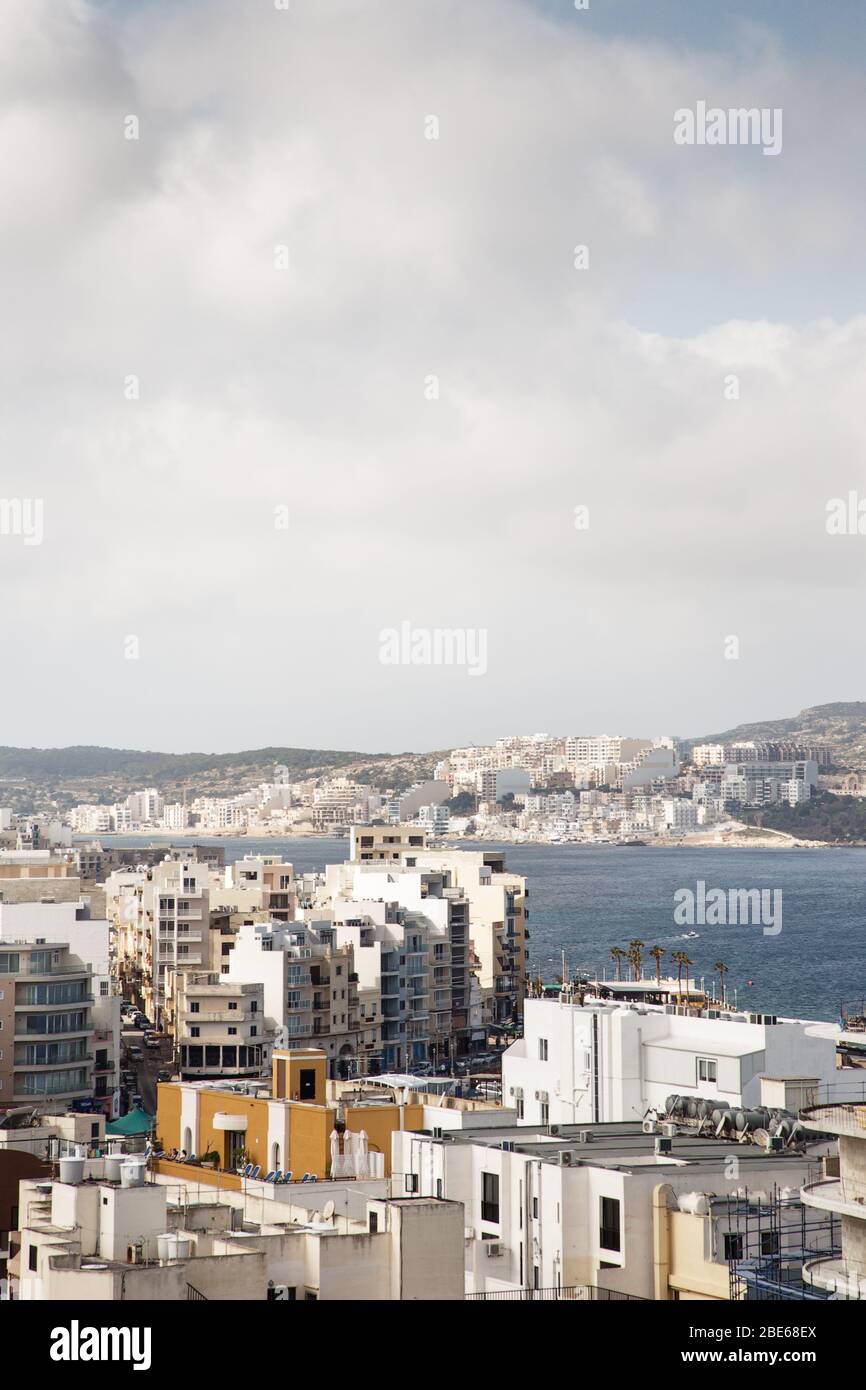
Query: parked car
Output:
(164,1074)
(136,1054)
(153,1044)
(135,1100)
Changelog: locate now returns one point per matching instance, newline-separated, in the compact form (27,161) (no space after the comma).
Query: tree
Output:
(618,955)
(683,962)
(657,952)
(634,954)
(723,970)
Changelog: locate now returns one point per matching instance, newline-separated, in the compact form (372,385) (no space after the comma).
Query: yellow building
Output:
(286,1129)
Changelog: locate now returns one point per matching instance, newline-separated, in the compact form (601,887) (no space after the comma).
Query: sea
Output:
(584,900)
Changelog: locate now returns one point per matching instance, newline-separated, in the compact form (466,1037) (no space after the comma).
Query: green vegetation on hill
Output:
(841,819)
(40,763)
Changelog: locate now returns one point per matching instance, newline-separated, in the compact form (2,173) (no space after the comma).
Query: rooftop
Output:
(624,1145)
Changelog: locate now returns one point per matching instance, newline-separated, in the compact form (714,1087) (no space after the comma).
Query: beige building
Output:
(161,919)
(218,1026)
(92,1237)
(47,1036)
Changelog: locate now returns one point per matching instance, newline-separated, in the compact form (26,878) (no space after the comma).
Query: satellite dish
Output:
(328,1210)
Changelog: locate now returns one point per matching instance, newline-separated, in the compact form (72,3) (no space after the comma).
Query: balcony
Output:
(830,1272)
(845,1196)
(225,1016)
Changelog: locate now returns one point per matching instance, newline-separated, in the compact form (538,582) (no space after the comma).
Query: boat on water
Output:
(690,936)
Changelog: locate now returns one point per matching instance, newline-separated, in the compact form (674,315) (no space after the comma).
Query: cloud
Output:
(410,258)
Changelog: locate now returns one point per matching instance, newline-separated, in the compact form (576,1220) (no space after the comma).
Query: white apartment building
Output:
(175,816)
(601,1062)
(145,806)
(310,987)
(409,928)
(97,1237)
(709,755)
(679,813)
(582,1206)
(161,918)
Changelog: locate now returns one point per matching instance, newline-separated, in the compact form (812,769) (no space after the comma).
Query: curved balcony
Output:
(842,1196)
(831,1273)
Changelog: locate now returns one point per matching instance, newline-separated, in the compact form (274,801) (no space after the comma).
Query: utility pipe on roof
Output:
(664,1199)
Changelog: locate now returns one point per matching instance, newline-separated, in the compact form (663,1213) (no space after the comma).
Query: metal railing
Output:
(571,1293)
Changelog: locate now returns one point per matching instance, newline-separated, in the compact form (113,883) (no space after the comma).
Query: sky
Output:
(300,355)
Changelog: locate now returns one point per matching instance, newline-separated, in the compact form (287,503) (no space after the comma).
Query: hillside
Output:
(841,726)
(66,776)
(830,819)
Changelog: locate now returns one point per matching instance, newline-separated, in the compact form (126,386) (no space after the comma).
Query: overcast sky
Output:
(308,388)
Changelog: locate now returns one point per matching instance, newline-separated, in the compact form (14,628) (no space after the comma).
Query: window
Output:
(439,1188)
(195,1007)
(490,1197)
(733,1246)
(33,1258)
(535,1208)
(411,1182)
(545,1112)
(769,1242)
(707,1069)
(520,1107)
(232,1032)
(195,1032)
(609,1234)
(374,1222)
(542,1049)
(103,988)
(233,1003)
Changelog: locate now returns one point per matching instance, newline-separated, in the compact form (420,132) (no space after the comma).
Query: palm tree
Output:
(723,970)
(657,952)
(686,963)
(681,960)
(618,953)
(634,954)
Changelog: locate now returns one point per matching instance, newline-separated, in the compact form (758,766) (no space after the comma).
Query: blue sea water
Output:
(586,899)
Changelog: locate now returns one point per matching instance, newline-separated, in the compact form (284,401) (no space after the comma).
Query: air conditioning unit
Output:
(669,1130)
(649,1127)
(663,1144)
(538,1095)
(565,1157)
(583,1136)
(553,1129)
(493,1248)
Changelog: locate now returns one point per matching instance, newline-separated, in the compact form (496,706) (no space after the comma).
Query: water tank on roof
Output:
(72,1170)
(132,1172)
(113,1165)
(695,1203)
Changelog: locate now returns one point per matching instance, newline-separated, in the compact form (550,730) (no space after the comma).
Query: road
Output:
(146,1068)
